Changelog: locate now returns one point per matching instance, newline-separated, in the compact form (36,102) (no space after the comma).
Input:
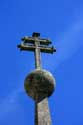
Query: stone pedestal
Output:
(39,85)
(42,113)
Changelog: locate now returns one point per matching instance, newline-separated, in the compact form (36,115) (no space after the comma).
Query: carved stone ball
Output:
(39,84)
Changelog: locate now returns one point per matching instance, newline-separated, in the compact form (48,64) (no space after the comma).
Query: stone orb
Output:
(39,84)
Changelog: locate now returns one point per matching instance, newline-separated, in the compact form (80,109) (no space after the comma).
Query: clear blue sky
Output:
(62,22)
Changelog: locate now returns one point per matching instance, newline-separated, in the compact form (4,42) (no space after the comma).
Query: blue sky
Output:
(62,22)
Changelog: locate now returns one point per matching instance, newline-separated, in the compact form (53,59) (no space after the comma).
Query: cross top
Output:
(37,45)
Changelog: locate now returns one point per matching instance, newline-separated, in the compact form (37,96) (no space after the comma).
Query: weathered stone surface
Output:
(39,84)
(42,113)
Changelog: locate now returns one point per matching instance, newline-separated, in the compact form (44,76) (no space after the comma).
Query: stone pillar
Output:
(42,113)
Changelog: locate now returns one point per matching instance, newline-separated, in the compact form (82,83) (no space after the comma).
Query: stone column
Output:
(42,113)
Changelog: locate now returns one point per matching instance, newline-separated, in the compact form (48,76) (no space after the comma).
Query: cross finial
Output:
(37,45)
(39,84)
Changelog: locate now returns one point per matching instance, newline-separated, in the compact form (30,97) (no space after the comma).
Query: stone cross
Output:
(39,84)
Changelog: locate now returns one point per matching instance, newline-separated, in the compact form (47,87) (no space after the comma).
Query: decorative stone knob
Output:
(39,84)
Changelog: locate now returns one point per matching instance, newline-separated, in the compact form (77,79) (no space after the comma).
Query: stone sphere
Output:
(39,84)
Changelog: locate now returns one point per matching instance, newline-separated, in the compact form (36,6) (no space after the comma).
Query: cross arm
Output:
(32,48)
(32,40)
